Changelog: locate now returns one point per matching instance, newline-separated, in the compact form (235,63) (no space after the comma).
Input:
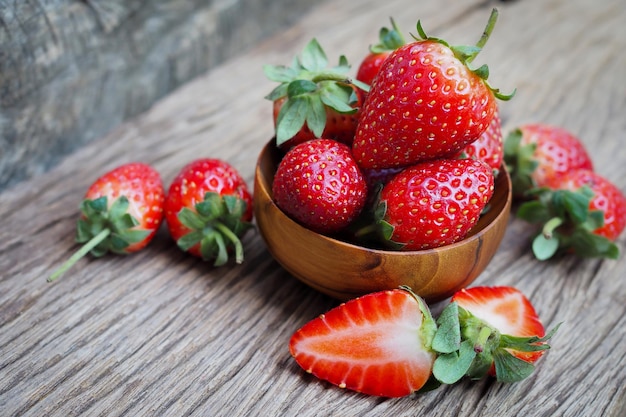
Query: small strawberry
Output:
(536,154)
(426,103)
(208,208)
(378,344)
(312,100)
(388,41)
(488,331)
(489,146)
(582,212)
(434,203)
(120,213)
(319,185)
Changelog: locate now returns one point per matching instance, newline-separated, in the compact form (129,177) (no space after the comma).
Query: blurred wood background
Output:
(71,70)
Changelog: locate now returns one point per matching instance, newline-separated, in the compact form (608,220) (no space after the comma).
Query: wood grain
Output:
(162,333)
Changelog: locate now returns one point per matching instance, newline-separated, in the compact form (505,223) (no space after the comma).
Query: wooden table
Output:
(162,333)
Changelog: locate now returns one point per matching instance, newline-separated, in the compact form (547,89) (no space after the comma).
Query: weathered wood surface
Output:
(71,70)
(161,333)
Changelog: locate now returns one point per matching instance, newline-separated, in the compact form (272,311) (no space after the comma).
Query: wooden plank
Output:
(161,333)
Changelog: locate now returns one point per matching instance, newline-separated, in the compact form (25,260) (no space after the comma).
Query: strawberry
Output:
(434,203)
(388,41)
(582,212)
(378,344)
(536,154)
(208,208)
(319,185)
(426,103)
(121,212)
(488,331)
(489,146)
(312,100)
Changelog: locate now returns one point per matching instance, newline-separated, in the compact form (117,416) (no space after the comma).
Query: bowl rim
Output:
(263,184)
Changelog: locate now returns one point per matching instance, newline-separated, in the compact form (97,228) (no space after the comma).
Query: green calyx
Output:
(567,224)
(309,86)
(467,347)
(467,53)
(520,162)
(216,225)
(103,230)
(388,39)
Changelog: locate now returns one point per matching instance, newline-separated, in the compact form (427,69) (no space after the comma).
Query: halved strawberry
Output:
(488,330)
(378,344)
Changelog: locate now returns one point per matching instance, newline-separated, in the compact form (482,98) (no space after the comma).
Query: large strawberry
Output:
(208,208)
(388,41)
(312,100)
(378,344)
(426,103)
(434,203)
(120,213)
(489,146)
(581,212)
(488,331)
(537,154)
(319,184)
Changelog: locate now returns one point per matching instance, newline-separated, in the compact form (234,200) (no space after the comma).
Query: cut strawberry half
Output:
(378,344)
(488,330)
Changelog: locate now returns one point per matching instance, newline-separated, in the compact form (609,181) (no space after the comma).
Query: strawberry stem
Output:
(550,226)
(234,239)
(84,250)
(481,340)
(491,23)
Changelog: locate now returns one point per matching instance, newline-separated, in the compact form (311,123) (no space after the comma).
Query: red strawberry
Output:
(389,41)
(537,153)
(488,330)
(435,203)
(489,146)
(378,344)
(583,212)
(208,208)
(426,103)
(121,213)
(312,100)
(319,184)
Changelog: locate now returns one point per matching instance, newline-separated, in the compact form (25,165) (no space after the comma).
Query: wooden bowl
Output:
(343,270)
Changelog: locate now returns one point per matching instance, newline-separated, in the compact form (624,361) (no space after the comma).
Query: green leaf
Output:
(316,116)
(300,87)
(190,219)
(451,367)
(280,73)
(576,204)
(190,240)
(119,207)
(290,119)
(313,57)
(534,212)
(589,245)
(510,368)
(337,98)
(99,204)
(448,336)
(544,248)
